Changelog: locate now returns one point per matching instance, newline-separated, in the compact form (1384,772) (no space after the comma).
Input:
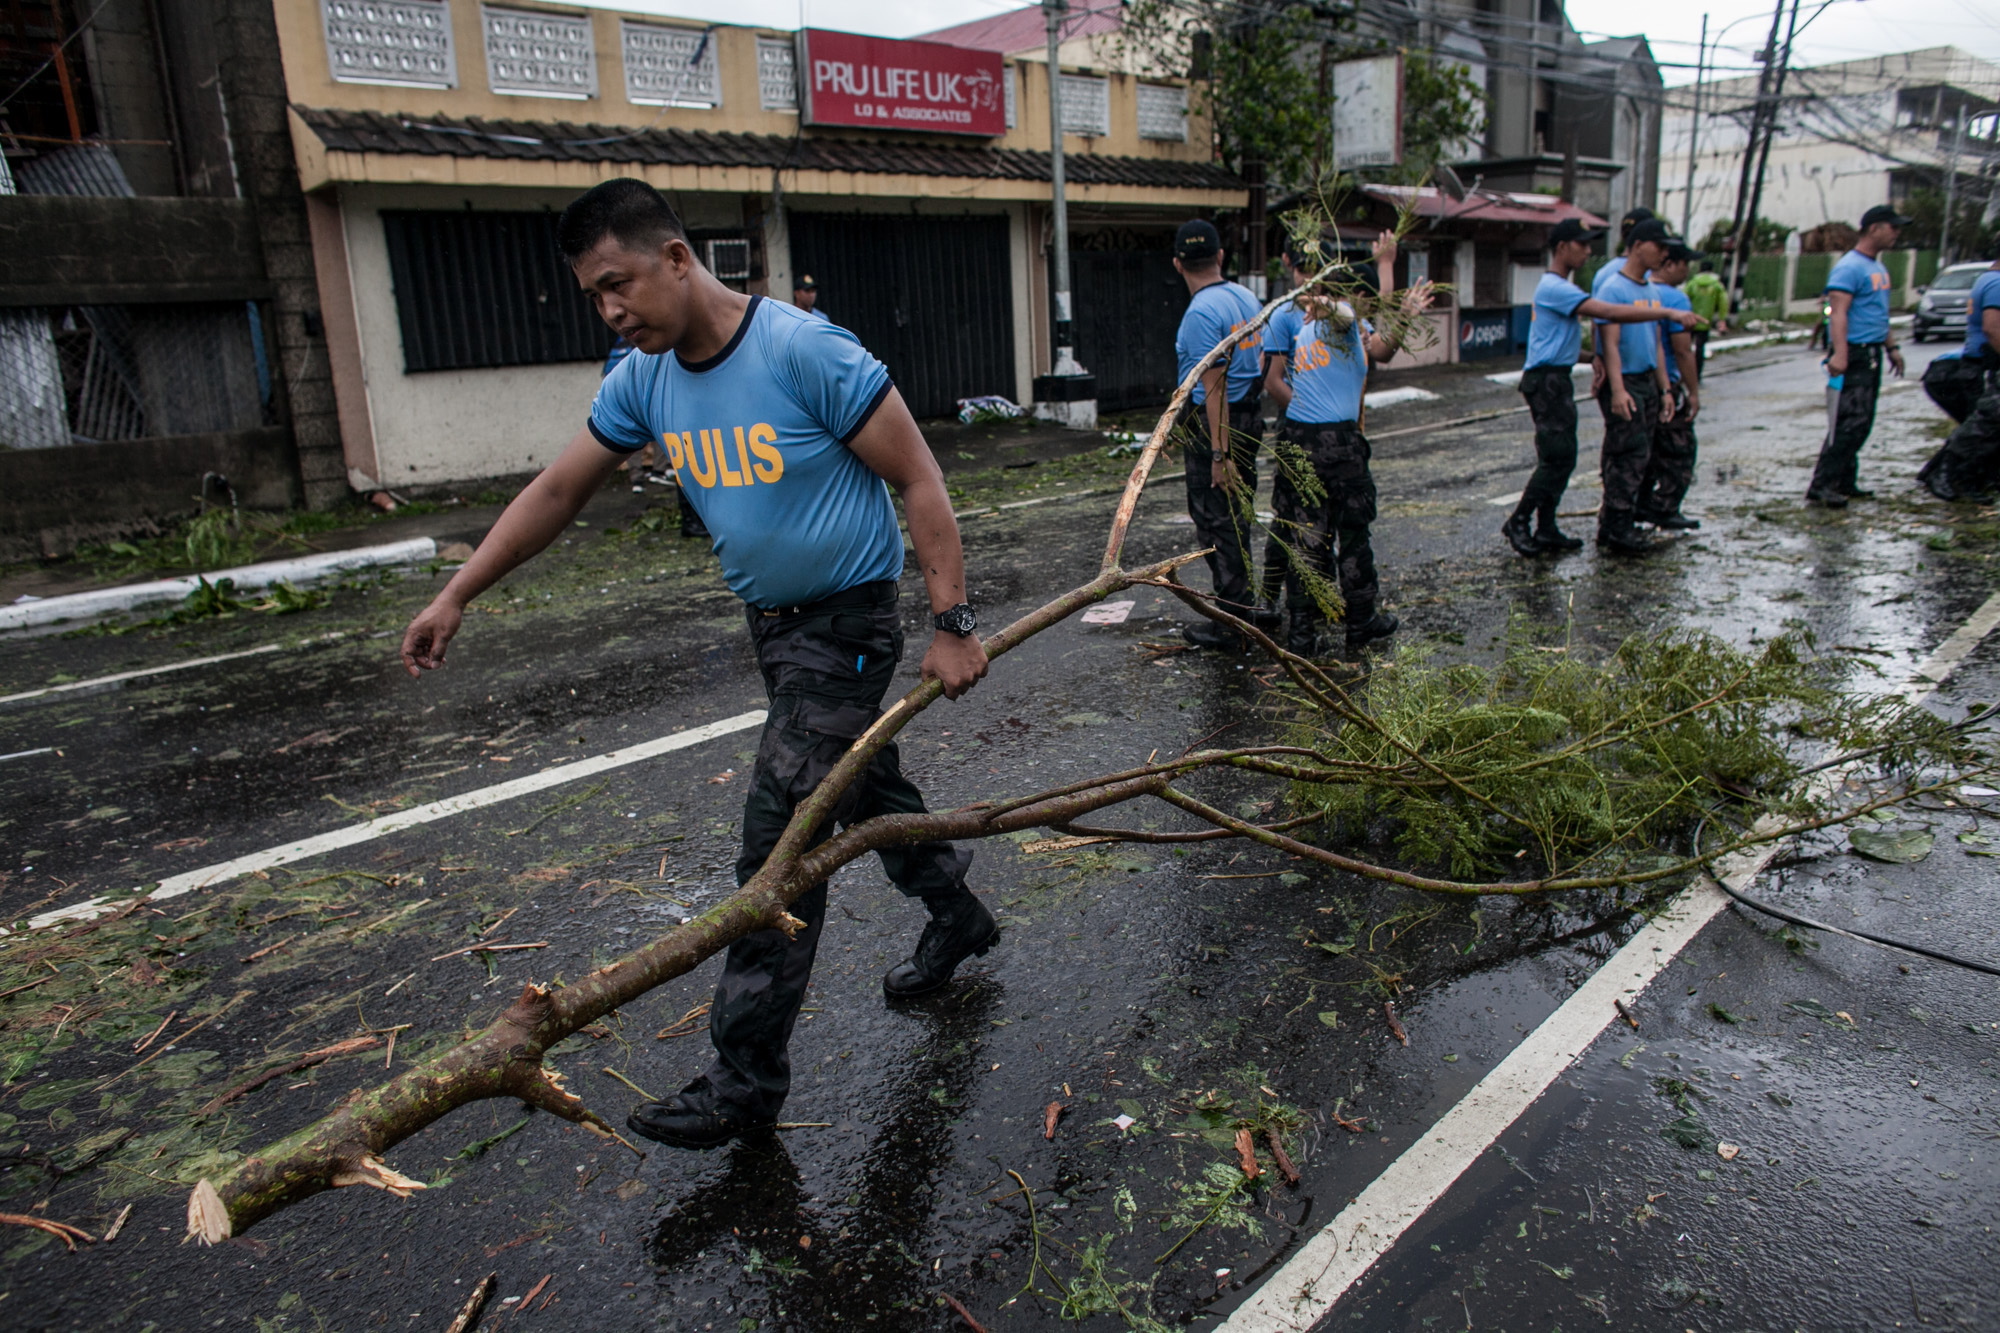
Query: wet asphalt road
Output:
(1178,990)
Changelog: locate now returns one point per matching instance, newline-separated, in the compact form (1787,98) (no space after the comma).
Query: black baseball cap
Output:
(1648,229)
(805,283)
(1572,229)
(1884,213)
(1678,250)
(1197,240)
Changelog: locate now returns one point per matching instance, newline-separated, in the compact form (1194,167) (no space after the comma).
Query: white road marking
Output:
(1511,497)
(319,844)
(1510,378)
(101,682)
(1306,1288)
(23,754)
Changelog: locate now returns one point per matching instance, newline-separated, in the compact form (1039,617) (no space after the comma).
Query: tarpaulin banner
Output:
(886,84)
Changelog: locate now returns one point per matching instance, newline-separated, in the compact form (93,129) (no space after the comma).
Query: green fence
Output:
(1764,279)
(1811,279)
(1926,268)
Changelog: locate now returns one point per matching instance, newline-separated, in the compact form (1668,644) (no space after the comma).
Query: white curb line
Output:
(303,569)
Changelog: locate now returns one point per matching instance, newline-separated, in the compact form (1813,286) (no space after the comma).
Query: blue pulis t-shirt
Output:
(1670,298)
(1281,328)
(758,435)
(1216,311)
(1555,334)
(1329,369)
(1638,344)
(1868,282)
(1985,296)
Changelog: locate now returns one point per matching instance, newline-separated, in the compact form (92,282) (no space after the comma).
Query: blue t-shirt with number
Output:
(1217,311)
(1638,344)
(1670,298)
(1868,283)
(758,435)
(1329,368)
(1555,334)
(1985,296)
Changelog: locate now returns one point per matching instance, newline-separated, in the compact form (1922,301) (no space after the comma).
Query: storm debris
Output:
(1278,1154)
(1246,1155)
(292,1066)
(63,1231)
(1625,1012)
(1050,1115)
(468,1314)
(1395,1023)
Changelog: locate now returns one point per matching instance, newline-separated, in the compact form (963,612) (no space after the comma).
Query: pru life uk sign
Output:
(882,83)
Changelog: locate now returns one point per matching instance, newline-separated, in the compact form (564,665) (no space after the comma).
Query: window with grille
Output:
(1007,76)
(1162,112)
(671,66)
(486,289)
(730,259)
(539,55)
(777,75)
(1086,104)
(403,43)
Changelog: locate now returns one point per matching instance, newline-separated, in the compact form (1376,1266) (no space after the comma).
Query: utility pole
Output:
(1951,187)
(1771,132)
(1738,240)
(1068,393)
(1694,129)
(1052,13)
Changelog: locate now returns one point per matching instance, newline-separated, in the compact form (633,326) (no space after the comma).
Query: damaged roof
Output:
(444,136)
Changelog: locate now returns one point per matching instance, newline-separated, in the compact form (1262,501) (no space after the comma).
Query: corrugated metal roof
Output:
(1024,29)
(439,136)
(85,168)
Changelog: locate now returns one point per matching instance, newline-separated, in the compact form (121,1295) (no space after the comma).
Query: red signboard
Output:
(881,83)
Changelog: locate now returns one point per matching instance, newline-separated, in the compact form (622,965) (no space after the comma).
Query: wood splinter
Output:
(1625,1012)
(1395,1023)
(1052,1114)
(468,1314)
(1246,1153)
(1278,1154)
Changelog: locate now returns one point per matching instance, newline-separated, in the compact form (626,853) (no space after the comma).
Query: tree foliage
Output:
(1444,107)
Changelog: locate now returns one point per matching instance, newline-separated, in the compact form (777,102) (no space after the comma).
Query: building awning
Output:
(1428,201)
(376,133)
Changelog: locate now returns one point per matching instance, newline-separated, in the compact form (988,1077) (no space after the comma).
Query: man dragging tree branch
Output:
(785,431)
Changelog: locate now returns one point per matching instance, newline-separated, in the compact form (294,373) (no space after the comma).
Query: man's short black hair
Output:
(1708,266)
(630,211)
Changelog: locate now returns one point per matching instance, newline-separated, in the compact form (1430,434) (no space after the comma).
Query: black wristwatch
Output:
(959,620)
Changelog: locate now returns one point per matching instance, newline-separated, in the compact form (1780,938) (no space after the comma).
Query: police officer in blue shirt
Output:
(1634,396)
(1222,429)
(805,295)
(1670,469)
(1555,340)
(790,436)
(1857,291)
(1968,467)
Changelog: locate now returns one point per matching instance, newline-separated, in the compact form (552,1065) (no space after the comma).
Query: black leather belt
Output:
(861,594)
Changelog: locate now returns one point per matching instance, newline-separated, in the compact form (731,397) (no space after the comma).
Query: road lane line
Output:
(25,754)
(174,886)
(100,682)
(1313,1280)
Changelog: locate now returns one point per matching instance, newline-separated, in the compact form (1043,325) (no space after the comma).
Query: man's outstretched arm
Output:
(894,450)
(546,506)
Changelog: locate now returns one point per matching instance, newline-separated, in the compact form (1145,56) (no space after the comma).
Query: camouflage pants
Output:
(1291,516)
(1852,414)
(1339,456)
(1628,446)
(826,668)
(1969,463)
(1670,471)
(1551,395)
(1220,520)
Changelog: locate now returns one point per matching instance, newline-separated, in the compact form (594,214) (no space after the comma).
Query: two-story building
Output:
(436,141)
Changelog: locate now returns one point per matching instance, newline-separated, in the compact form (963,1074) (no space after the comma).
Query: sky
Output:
(1844,30)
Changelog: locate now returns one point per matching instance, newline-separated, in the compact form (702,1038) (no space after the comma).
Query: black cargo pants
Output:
(1339,455)
(1551,395)
(1628,445)
(826,668)
(1968,467)
(1838,471)
(1670,470)
(1221,520)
